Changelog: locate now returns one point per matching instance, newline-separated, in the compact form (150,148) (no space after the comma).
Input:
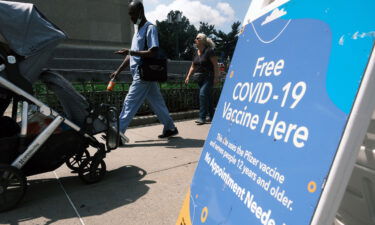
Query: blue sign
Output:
(283,109)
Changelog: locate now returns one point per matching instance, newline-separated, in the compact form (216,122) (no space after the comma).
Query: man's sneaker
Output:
(123,140)
(169,133)
(200,122)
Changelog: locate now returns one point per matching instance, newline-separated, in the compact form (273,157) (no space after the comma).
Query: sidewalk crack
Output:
(173,167)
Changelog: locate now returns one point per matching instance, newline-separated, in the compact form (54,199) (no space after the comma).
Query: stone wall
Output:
(96,28)
(103,22)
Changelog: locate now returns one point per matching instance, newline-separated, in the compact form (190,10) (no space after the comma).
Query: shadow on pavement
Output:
(45,199)
(173,142)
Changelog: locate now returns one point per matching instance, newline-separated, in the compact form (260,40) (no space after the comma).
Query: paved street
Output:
(145,184)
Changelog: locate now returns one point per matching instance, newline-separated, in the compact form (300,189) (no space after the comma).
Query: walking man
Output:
(140,90)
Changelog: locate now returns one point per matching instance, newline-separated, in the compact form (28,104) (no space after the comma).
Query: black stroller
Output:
(63,140)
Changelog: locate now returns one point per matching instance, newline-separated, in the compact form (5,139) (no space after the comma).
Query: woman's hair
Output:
(206,40)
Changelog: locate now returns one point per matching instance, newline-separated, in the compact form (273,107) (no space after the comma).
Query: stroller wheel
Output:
(76,160)
(92,170)
(12,187)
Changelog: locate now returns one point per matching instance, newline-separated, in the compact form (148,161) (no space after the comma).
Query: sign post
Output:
(293,111)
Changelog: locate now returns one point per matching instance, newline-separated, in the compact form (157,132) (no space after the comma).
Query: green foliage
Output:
(91,87)
(178,85)
(226,43)
(177,38)
(208,30)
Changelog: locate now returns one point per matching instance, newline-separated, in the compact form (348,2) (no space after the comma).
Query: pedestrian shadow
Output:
(172,142)
(45,200)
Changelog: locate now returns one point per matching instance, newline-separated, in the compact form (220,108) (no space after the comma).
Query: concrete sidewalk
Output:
(145,184)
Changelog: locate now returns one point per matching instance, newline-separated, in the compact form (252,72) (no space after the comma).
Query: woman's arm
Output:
(191,71)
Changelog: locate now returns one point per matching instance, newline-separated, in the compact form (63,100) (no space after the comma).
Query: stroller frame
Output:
(29,42)
(45,110)
(91,169)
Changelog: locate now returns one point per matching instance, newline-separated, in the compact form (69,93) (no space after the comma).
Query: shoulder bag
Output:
(153,68)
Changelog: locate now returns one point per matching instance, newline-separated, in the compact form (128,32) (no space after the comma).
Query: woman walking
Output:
(205,68)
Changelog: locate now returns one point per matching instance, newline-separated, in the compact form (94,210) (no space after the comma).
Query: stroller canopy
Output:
(26,29)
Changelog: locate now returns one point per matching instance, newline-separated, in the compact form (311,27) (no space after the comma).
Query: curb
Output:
(150,119)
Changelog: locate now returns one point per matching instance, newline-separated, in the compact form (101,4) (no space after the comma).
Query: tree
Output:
(207,29)
(226,43)
(176,38)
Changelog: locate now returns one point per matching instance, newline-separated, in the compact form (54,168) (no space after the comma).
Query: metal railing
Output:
(178,96)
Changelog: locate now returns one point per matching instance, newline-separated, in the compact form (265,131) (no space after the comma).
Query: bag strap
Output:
(146,47)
